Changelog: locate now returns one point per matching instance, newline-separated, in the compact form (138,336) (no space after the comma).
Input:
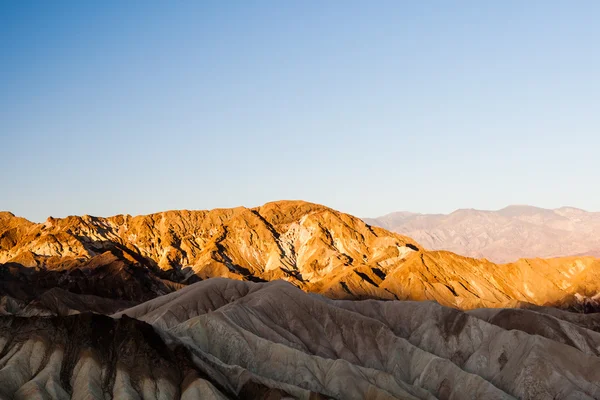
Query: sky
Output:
(369,107)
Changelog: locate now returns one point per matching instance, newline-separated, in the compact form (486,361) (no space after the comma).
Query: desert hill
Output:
(313,247)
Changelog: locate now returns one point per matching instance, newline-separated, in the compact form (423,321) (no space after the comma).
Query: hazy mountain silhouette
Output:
(502,236)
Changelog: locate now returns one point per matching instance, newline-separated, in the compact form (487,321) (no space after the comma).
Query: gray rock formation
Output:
(228,339)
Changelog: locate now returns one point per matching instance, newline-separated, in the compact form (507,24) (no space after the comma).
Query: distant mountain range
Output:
(502,236)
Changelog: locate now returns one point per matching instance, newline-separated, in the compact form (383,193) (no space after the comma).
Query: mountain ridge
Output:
(314,247)
(262,304)
(505,235)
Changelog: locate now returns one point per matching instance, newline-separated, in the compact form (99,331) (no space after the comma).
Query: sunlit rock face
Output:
(314,247)
(292,240)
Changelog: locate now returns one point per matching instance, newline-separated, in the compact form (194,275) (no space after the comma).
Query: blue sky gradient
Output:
(369,107)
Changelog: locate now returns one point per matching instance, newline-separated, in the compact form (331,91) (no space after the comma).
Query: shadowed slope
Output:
(224,338)
(415,348)
(96,357)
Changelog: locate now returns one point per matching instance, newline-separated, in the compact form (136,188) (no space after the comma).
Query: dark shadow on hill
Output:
(104,275)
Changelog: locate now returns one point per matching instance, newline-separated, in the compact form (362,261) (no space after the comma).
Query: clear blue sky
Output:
(369,107)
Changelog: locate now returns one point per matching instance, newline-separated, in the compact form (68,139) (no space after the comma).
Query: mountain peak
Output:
(571,210)
(521,209)
(294,240)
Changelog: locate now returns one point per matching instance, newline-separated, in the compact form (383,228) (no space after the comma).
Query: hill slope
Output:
(313,247)
(227,339)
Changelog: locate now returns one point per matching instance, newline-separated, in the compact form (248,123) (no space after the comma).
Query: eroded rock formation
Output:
(288,300)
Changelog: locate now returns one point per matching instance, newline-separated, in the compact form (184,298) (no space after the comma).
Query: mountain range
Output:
(502,236)
(287,300)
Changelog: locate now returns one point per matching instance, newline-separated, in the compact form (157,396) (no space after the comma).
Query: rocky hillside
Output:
(504,235)
(123,307)
(313,247)
(228,339)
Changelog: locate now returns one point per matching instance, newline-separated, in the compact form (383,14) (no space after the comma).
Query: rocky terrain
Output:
(287,300)
(230,339)
(315,248)
(502,236)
